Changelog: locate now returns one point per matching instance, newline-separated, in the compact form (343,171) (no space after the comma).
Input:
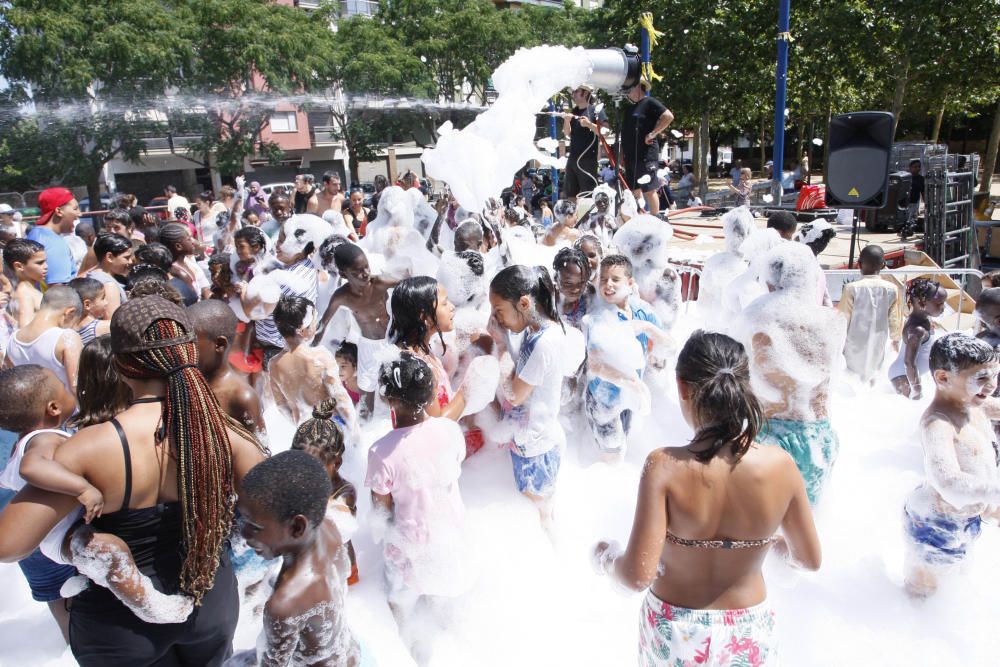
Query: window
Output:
(284,121)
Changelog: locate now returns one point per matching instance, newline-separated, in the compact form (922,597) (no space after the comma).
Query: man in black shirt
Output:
(639,146)
(582,126)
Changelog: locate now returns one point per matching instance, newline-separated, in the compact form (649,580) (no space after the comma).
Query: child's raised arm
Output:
(40,470)
(957,487)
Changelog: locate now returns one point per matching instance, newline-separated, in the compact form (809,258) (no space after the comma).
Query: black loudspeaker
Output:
(857,175)
(895,212)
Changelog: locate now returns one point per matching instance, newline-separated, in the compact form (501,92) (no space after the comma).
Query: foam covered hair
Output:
(958,351)
(302,229)
(789,267)
(737,225)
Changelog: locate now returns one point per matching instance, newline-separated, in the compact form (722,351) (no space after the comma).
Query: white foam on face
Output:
(302,229)
(479,161)
(394,235)
(645,240)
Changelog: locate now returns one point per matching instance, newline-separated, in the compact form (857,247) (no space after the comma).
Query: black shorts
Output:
(634,170)
(582,177)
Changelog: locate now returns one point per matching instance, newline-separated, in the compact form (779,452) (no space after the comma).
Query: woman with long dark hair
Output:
(168,467)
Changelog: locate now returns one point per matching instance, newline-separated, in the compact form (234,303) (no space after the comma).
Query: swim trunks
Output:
(672,636)
(940,539)
(536,474)
(812,445)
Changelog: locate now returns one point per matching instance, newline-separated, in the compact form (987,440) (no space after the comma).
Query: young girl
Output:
(576,292)
(183,248)
(114,257)
(727,497)
(347,364)
(420,311)
(926,299)
(413,475)
(523,300)
(321,438)
(743,189)
(545,213)
(100,392)
(592,249)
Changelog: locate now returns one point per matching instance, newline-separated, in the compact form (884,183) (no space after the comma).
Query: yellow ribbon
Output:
(646,22)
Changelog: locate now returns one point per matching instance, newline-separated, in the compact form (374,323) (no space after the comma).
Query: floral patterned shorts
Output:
(672,636)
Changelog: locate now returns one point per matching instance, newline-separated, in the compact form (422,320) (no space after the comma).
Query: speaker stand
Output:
(854,238)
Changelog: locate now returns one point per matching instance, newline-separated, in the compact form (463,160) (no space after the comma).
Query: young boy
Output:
(362,293)
(301,376)
(943,516)
(784,223)
(215,325)
(347,366)
(51,340)
(615,288)
(874,315)
(94,322)
(283,502)
(26,260)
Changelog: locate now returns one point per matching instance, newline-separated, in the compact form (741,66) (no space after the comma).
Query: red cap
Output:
(50,200)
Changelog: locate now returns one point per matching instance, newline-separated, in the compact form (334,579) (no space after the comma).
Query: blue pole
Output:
(644,50)
(781,79)
(555,152)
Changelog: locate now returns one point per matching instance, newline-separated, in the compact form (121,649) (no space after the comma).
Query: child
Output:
(545,213)
(114,257)
(592,249)
(564,229)
(874,315)
(302,375)
(926,299)
(321,438)
(362,293)
(523,300)
(51,340)
(743,188)
(784,223)
(183,249)
(943,516)
(220,274)
(413,475)
(988,314)
(34,404)
(576,292)
(347,367)
(283,501)
(26,260)
(95,321)
(100,393)
(215,325)
(609,419)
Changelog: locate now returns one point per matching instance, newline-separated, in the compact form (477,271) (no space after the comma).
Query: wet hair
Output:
(212,319)
(474,260)
(572,257)
(468,236)
(408,380)
(194,425)
(413,300)
(100,392)
(329,177)
(346,254)
(24,391)
(143,271)
(578,244)
(717,371)
(222,259)
(156,254)
(20,250)
(253,236)
(86,288)
(921,289)
(610,261)
(872,255)
(782,221)
(116,244)
(516,281)
(321,437)
(957,352)
(119,215)
(328,251)
(61,297)
(289,484)
(563,209)
(290,314)
(348,351)
(171,234)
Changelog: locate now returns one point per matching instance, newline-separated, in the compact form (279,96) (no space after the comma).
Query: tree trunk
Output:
(94,191)
(900,94)
(826,141)
(763,143)
(703,187)
(713,155)
(809,149)
(695,152)
(989,168)
(938,118)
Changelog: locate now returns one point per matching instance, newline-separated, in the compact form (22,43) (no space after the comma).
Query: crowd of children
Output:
(518,336)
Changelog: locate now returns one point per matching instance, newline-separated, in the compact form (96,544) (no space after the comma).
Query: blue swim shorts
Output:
(940,539)
(812,445)
(45,577)
(537,474)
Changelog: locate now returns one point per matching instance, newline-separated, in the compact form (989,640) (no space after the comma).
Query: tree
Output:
(84,68)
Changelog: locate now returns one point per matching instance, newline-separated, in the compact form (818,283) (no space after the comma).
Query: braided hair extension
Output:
(320,436)
(921,289)
(194,425)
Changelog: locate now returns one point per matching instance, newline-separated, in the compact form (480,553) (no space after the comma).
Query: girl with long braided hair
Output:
(169,467)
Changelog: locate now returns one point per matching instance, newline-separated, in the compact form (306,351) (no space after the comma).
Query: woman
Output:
(206,219)
(356,216)
(710,511)
(168,467)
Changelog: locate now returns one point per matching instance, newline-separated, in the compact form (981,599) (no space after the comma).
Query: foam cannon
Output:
(615,70)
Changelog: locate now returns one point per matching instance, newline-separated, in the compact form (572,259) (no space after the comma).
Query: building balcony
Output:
(358,7)
(324,135)
(169,143)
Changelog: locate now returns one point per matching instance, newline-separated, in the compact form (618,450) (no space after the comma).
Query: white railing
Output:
(324,135)
(359,7)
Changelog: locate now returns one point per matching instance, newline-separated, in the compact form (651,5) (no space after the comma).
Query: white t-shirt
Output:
(545,357)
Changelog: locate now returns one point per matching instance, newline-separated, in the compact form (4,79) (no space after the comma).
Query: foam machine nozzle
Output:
(615,69)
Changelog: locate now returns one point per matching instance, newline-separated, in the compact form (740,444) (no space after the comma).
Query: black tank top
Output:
(302,200)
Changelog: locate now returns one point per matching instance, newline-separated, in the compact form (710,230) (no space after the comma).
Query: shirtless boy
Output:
(301,376)
(943,516)
(363,294)
(215,324)
(283,501)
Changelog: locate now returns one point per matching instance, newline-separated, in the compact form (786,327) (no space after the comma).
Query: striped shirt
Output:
(299,279)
